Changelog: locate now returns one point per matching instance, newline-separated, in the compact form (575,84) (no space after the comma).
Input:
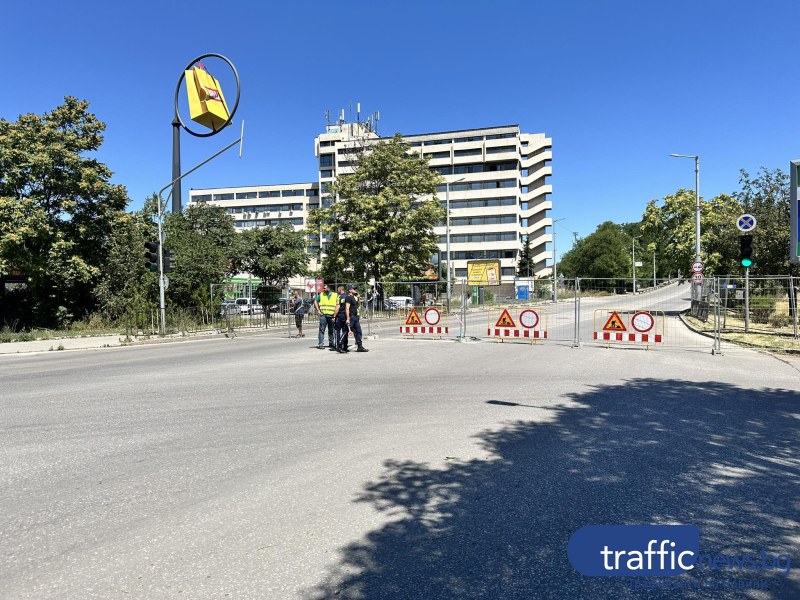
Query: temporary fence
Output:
(716,315)
(661,314)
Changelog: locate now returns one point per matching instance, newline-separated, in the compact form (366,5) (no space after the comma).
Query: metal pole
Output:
(654,269)
(633,257)
(577,342)
(793,293)
(555,266)
(747,299)
(162,307)
(447,202)
(176,165)
(697,207)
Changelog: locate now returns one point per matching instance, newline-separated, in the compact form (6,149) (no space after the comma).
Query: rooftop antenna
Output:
(358,112)
(328,117)
(341,118)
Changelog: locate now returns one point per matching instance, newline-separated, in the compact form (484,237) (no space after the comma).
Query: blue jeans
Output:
(326,321)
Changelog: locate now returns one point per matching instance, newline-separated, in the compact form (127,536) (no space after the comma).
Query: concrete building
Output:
(498,189)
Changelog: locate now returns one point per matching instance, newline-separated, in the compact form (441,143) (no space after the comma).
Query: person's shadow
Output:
(647,452)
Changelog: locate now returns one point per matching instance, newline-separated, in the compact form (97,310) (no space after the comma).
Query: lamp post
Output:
(696,205)
(555,261)
(633,260)
(449,270)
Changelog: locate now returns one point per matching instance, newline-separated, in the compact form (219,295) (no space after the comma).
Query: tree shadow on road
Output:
(648,451)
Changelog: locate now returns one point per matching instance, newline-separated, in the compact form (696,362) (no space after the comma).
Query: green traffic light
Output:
(746,262)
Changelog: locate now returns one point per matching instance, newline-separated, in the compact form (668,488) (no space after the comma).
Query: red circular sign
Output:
(432,316)
(528,318)
(642,321)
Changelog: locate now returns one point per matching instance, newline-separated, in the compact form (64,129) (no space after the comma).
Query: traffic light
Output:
(746,250)
(169,260)
(151,256)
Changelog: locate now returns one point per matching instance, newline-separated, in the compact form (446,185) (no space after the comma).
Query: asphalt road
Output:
(260,467)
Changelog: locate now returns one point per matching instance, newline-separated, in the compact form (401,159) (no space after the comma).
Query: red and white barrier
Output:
(421,329)
(618,336)
(516,333)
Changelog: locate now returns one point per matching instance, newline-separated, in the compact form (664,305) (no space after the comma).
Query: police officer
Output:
(351,310)
(340,322)
(325,303)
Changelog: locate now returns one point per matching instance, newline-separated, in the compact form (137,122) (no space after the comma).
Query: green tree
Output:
(273,254)
(670,229)
(56,208)
(205,246)
(526,265)
(381,225)
(606,253)
(126,284)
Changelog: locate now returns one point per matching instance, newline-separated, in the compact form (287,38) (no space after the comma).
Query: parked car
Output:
(395,302)
(229,307)
(250,306)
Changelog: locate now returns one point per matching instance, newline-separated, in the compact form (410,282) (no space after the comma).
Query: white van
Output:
(250,306)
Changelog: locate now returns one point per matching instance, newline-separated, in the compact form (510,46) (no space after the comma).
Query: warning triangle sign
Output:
(505,320)
(614,323)
(413,318)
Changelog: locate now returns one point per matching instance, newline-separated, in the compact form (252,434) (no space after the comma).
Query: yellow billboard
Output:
(483,272)
(207,104)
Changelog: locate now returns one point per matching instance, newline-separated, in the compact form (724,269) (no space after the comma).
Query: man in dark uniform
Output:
(340,322)
(351,310)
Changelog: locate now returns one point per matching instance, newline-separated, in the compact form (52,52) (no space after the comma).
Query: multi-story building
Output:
(495,180)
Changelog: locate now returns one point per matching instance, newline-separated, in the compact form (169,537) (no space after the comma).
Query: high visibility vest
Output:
(327,304)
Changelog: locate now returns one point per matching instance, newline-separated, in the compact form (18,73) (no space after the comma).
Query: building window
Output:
(270,194)
(201,198)
(312,192)
(437,154)
(498,149)
(469,152)
(501,136)
(246,195)
(326,173)
(326,160)
(223,197)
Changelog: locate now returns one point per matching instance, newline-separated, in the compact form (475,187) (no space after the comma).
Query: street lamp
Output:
(696,202)
(449,271)
(555,261)
(633,260)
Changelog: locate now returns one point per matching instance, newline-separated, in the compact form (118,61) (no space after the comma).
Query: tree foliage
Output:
(126,284)
(381,225)
(526,266)
(56,208)
(205,244)
(606,253)
(273,254)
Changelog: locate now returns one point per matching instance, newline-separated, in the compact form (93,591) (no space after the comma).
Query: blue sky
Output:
(617,85)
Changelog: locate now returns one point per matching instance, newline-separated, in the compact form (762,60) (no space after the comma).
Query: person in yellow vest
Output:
(325,303)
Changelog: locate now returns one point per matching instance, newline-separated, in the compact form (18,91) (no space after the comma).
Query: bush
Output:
(779,321)
(761,308)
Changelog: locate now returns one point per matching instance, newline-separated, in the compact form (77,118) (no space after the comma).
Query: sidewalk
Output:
(114,340)
(100,341)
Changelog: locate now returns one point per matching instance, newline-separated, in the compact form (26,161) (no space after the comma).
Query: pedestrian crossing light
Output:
(746,250)
(151,256)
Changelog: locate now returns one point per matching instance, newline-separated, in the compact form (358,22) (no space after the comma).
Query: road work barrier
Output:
(517,323)
(426,321)
(629,326)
